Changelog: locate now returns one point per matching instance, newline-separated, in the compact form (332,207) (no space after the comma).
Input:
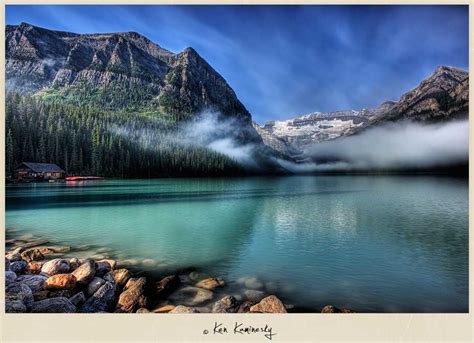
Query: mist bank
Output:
(392,147)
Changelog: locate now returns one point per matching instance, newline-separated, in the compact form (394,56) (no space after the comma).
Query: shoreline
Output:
(44,277)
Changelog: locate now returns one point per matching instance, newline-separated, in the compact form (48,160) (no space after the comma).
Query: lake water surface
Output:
(370,243)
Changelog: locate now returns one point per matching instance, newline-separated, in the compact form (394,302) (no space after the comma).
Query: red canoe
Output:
(83,178)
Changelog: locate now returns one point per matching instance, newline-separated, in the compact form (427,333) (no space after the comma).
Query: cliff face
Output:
(442,96)
(83,66)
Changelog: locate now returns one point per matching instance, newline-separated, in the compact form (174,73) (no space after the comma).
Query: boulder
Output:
(7,264)
(254,295)
(56,266)
(60,281)
(18,267)
(19,292)
(105,266)
(121,276)
(78,299)
(64,293)
(9,277)
(211,283)
(134,297)
(227,304)
(191,296)
(102,300)
(35,282)
(14,255)
(41,295)
(74,263)
(33,254)
(33,267)
(270,304)
(94,285)
(85,272)
(334,309)
(14,306)
(53,305)
(164,309)
(167,285)
(245,306)
(183,309)
(142,310)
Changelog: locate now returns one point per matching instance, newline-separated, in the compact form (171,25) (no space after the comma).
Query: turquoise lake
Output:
(369,243)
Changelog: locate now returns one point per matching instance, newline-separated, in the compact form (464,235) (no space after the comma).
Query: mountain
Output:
(117,71)
(126,102)
(442,96)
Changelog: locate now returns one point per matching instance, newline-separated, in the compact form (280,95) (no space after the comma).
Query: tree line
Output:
(87,140)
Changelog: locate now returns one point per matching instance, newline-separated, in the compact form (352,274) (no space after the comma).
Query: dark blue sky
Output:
(288,60)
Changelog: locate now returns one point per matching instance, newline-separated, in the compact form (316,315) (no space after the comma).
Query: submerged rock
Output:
(32,255)
(228,304)
(60,281)
(270,304)
(85,272)
(211,283)
(254,295)
(167,285)
(56,266)
(183,309)
(53,305)
(191,296)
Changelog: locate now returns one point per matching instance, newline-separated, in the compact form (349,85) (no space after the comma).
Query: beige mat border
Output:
(189,328)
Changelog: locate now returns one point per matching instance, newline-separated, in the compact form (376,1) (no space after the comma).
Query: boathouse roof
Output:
(42,167)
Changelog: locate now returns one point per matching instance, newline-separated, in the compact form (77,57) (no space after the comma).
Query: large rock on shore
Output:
(183,309)
(164,309)
(101,301)
(18,267)
(14,306)
(85,272)
(121,276)
(270,304)
(53,305)
(105,266)
(191,296)
(33,267)
(14,255)
(78,299)
(211,283)
(60,282)
(33,254)
(56,266)
(334,309)
(94,285)
(134,297)
(19,292)
(9,277)
(7,264)
(228,304)
(35,282)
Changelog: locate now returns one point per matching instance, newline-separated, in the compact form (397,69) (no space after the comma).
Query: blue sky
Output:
(284,61)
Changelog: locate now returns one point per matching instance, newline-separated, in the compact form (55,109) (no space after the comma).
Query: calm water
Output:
(371,243)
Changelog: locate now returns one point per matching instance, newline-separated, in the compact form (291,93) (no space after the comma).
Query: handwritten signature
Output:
(241,329)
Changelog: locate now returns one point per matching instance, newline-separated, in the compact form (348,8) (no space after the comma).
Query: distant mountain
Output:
(442,96)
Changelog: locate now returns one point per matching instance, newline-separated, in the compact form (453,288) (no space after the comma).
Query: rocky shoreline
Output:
(45,278)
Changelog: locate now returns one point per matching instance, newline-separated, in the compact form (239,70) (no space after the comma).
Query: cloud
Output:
(394,146)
